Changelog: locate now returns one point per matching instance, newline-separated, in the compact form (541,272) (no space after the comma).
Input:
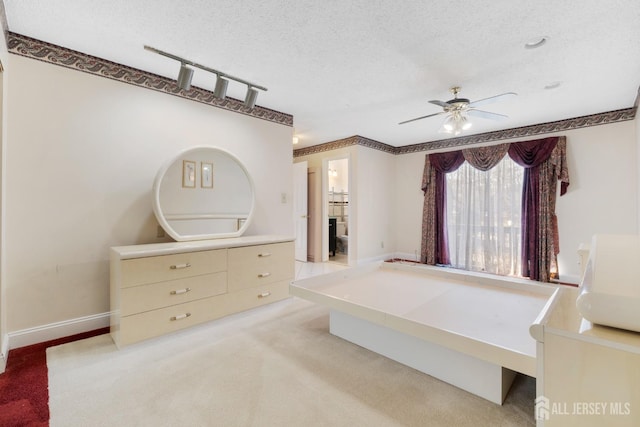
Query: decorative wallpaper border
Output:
(342,143)
(543,128)
(57,55)
(53,54)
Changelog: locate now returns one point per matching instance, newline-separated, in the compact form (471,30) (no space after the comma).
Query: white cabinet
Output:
(161,288)
(588,375)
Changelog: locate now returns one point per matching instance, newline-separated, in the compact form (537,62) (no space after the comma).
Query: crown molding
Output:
(58,55)
(524,131)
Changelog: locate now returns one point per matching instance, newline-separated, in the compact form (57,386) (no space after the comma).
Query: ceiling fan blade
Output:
(440,103)
(492,99)
(420,118)
(486,114)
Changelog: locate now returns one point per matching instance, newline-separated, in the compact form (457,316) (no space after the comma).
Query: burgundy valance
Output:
(531,153)
(447,162)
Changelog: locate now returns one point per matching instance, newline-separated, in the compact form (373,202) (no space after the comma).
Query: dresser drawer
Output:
(137,299)
(257,296)
(140,271)
(259,265)
(158,322)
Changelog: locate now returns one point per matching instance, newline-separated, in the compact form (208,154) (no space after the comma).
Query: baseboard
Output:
(57,330)
(374,259)
(4,352)
(407,256)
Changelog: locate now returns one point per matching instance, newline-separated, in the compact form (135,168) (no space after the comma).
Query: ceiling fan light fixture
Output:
(449,124)
(455,123)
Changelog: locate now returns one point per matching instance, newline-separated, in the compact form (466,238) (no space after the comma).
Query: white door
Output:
(300,209)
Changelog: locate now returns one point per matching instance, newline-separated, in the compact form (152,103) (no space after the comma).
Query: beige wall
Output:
(376,201)
(602,198)
(82,153)
(371,200)
(637,122)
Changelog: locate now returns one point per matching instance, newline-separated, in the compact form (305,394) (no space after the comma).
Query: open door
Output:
(300,209)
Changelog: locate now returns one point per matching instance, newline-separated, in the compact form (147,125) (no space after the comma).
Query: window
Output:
(483,218)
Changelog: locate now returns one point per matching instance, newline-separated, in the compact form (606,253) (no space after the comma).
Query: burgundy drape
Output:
(544,161)
(443,163)
(530,155)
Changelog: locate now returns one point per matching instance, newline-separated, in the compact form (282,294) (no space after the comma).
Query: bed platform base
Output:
(484,379)
(467,329)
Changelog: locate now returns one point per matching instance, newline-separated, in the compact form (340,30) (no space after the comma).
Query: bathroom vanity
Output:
(204,199)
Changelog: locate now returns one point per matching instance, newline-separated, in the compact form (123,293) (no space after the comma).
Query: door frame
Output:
(325,207)
(300,188)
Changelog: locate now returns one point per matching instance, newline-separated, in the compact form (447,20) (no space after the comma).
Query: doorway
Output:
(338,212)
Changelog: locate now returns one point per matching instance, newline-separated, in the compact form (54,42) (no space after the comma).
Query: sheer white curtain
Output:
(483,217)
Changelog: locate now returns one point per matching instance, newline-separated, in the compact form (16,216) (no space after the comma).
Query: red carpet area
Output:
(24,392)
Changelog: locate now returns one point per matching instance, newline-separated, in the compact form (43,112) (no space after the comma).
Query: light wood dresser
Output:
(161,288)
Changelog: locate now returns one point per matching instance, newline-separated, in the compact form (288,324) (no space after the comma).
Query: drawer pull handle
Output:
(264,275)
(264,255)
(264,294)
(180,266)
(180,291)
(180,316)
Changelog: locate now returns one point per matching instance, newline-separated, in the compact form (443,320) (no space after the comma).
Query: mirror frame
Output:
(157,209)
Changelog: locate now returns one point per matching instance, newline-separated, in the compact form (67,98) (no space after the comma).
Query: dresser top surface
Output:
(564,319)
(155,249)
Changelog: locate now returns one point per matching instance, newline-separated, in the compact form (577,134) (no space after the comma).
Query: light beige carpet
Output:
(272,366)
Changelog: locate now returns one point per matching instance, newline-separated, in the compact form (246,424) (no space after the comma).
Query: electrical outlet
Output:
(160,231)
(382,244)
(283,198)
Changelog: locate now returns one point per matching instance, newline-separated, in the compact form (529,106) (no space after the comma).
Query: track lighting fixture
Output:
(185,75)
(220,90)
(250,99)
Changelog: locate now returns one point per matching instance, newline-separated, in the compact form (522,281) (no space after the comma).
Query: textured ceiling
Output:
(359,67)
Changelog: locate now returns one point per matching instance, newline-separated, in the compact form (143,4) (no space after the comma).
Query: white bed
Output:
(467,329)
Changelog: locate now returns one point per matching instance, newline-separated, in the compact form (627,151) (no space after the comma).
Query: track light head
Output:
(184,77)
(250,99)
(220,90)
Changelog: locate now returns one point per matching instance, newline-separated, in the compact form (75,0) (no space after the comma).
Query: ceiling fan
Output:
(456,108)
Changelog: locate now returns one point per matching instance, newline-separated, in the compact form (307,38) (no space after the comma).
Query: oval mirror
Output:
(203,193)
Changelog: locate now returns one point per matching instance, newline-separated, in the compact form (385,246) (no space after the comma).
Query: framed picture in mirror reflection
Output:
(188,174)
(206,175)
